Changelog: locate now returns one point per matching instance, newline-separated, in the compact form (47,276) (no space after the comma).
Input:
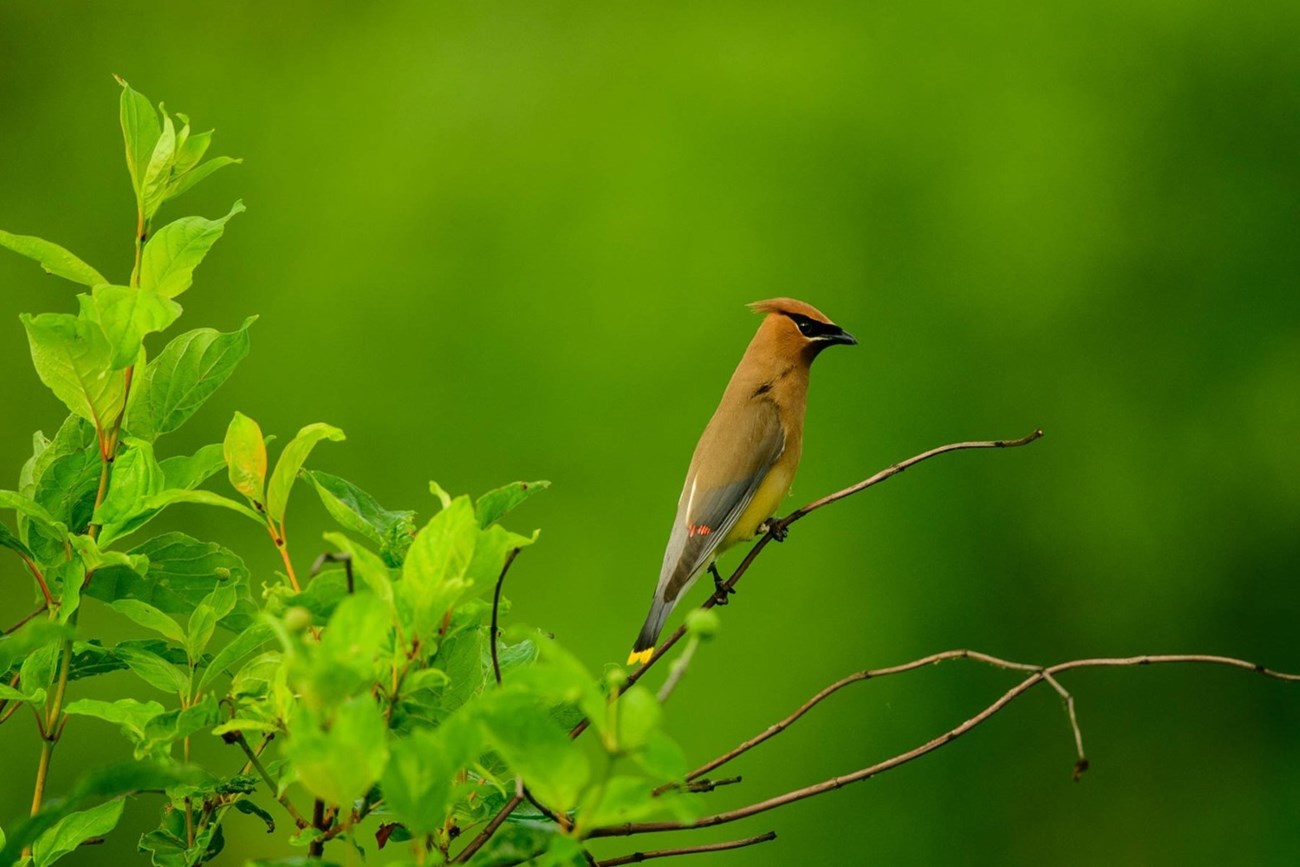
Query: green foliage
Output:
(371,688)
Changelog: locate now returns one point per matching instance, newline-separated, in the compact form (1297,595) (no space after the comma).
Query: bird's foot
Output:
(774,528)
(721,591)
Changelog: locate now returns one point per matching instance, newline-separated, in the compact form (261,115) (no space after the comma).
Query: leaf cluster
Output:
(379,689)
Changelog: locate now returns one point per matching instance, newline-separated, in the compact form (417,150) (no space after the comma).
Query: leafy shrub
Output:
(379,689)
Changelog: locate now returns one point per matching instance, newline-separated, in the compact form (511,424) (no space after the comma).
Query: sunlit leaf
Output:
(176,249)
(53,258)
(127,314)
(72,830)
(190,368)
(339,757)
(140,130)
(494,505)
(246,457)
(291,460)
(74,359)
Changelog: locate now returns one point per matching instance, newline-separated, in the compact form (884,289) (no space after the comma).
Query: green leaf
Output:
(31,636)
(155,671)
(28,507)
(182,572)
(136,478)
(494,505)
(176,249)
(356,510)
(159,169)
(243,644)
(53,258)
(72,830)
(188,472)
(291,460)
(341,760)
(185,374)
(127,314)
(638,716)
(128,713)
(417,780)
(202,498)
(533,745)
(35,697)
(246,457)
(244,805)
(74,359)
(203,621)
(164,729)
(192,177)
(149,617)
(433,576)
(9,540)
(372,571)
(109,782)
(140,131)
(347,659)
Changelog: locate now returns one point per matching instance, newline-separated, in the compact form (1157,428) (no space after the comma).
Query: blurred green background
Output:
(499,241)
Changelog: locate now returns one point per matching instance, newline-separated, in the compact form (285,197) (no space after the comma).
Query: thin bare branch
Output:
(1038,675)
(21,623)
(496,607)
(637,857)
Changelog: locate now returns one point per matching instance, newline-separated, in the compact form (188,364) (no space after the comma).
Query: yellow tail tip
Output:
(639,657)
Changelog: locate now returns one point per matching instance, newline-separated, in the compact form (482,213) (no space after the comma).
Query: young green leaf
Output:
(433,576)
(149,617)
(29,638)
(339,762)
(246,457)
(523,732)
(74,359)
(203,498)
(291,460)
(494,505)
(173,253)
(140,131)
(165,728)
(186,472)
(198,173)
(372,571)
(158,172)
(356,510)
(243,644)
(417,780)
(136,477)
(128,713)
(29,508)
(73,830)
(53,258)
(127,314)
(185,374)
(216,605)
(12,542)
(155,671)
(182,572)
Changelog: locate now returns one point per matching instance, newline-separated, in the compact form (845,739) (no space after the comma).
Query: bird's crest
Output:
(787,306)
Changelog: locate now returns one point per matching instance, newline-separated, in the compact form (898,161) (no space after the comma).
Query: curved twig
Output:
(637,857)
(496,607)
(1038,675)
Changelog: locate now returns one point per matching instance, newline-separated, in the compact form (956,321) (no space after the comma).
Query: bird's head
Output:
(800,328)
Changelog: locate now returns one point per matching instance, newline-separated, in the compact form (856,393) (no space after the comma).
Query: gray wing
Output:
(718,491)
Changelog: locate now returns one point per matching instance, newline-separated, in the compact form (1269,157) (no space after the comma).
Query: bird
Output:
(745,461)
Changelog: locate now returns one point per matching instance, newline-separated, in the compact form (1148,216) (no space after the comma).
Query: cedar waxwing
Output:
(745,461)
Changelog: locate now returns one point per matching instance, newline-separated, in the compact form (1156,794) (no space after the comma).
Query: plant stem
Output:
(282,545)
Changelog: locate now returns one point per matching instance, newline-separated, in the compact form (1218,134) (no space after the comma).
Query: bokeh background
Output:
(500,241)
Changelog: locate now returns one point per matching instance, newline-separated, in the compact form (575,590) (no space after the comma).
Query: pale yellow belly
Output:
(766,502)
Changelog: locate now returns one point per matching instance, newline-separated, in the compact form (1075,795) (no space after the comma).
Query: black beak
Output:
(841,336)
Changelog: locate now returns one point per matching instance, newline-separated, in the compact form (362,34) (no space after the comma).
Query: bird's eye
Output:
(807,327)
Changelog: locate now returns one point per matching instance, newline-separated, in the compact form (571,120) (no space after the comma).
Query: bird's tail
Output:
(644,647)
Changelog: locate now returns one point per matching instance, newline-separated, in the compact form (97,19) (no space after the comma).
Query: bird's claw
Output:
(774,528)
(720,590)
